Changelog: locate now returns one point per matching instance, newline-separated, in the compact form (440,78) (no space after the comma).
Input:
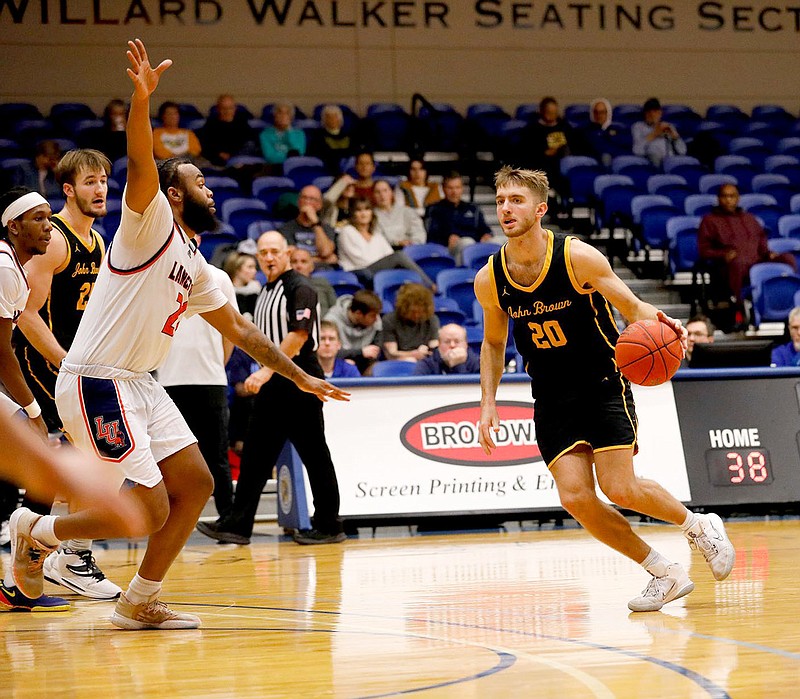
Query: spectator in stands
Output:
(653,138)
(39,174)
(333,366)
(364,250)
(603,139)
(338,200)
(411,331)
(452,356)
(455,223)
(546,140)
(417,192)
(358,318)
(113,141)
(365,171)
(700,331)
(227,132)
(789,354)
(241,268)
(732,241)
(302,263)
(333,143)
(280,139)
(169,139)
(308,232)
(401,225)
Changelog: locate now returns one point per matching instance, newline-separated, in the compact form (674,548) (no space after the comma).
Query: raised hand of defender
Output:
(143,76)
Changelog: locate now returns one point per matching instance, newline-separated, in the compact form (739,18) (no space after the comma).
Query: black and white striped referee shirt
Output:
(289,304)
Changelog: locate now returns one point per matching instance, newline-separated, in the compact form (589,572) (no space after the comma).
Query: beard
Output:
(197,217)
(85,207)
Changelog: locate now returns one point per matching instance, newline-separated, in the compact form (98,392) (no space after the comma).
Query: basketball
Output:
(648,352)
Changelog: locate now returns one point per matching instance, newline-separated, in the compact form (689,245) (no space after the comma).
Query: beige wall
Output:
(457,51)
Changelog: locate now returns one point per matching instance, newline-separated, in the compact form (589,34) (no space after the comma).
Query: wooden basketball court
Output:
(519,614)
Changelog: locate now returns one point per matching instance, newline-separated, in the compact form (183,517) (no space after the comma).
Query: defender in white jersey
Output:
(151,277)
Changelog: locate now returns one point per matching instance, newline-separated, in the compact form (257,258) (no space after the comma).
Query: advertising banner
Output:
(413,449)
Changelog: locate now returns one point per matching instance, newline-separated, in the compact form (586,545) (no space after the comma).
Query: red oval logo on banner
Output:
(450,434)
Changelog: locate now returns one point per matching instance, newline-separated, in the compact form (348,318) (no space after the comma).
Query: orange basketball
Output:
(648,352)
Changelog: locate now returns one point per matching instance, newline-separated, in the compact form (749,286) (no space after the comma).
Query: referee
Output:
(286,311)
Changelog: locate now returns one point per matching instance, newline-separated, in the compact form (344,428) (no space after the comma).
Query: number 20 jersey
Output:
(566,334)
(152,276)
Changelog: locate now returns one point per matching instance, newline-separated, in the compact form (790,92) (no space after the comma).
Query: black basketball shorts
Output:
(602,417)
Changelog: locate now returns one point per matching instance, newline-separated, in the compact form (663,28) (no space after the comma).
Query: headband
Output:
(19,206)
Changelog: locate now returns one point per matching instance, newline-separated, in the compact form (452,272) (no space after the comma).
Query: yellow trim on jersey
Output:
(66,262)
(568,450)
(597,322)
(548,258)
(570,270)
(618,446)
(627,411)
(32,373)
(493,281)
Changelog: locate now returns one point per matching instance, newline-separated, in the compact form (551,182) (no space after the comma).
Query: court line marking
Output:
(712,689)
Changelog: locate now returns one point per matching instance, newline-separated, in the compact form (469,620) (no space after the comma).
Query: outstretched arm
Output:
(246,335)
(142,172)
(493,351)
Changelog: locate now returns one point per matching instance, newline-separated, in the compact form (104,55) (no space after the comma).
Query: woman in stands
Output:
(401,225)
(416,190)
(364,249)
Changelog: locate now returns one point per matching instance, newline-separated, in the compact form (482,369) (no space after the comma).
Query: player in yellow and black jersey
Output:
(557,290)
(62,280)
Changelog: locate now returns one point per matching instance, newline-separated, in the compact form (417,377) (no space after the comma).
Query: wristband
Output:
(33,410)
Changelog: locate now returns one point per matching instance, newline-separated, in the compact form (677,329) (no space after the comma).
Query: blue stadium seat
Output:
(615,205)
(476,256)
(710,183)
(269,189)
(682,237)
(448,310)
(603,181)
(209,242)
(775,161)
(387,282)
(223,188)
(303,169)
(389,130)
(773,297)
(393,367)
(789,226)
(256,228)
(432,257)
(699,204)
(458,285)
(655,182)
(341,281)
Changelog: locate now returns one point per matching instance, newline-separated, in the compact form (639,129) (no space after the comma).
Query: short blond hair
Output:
(534,180)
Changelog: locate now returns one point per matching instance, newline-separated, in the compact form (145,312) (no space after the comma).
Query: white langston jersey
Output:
(152,276)
(14,289)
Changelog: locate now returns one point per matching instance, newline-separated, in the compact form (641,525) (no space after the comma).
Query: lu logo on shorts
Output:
(104,417)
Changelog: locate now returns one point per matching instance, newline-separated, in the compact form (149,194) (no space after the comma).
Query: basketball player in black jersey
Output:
(558,291)
(61,282)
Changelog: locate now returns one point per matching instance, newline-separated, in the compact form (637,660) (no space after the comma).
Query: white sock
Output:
(77,544)
(655,564)
(8,580)
(60,507)
(142,590)
(44,532)
(692,518)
